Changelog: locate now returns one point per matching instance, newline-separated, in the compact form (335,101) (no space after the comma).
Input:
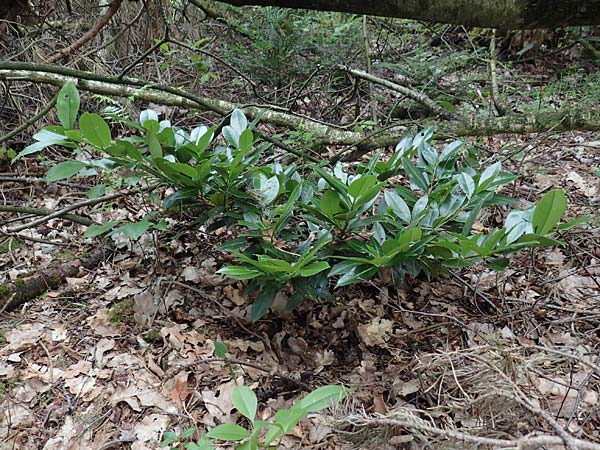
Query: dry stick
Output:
(498,104)
(520,397)
(208,10)
(33,180)
(45,110)
(22,237)
(367,44)
(148,52)
(46,212)
(522,443)
(115,37)
(91,34)
(301,90)
(222,61)
(92,201)
(565,119)
(408,92)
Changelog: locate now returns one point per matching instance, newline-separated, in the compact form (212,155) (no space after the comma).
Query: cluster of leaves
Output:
(306,226)
(260,433)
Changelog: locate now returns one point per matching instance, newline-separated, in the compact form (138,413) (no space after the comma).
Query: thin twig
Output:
(42,112)
(46,212)
(63,211)
(407,92)
(91,34)
(498,104)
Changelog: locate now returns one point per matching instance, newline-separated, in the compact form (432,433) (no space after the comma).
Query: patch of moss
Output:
(4,290)
(152,336)
(10,245)
(6,386)
(65,254)
(3,340)
(120,311)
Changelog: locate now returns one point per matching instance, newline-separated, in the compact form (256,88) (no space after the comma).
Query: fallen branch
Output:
(407,92)
(42,112)
(415,423)
(358,143)
(66,209)
(46,212)
(498,104)
(13,295)
(91,34)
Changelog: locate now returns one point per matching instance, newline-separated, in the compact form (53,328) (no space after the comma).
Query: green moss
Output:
(152,336)
(10,245)
(120,311)
(65,255)
(6,386)
(4,290)
(3,340)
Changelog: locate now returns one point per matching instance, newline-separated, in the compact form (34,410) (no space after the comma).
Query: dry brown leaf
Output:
(23,336)
(104,345)
(218,402)
(376,332)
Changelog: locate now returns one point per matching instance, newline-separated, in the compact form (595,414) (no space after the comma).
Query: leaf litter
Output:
(120,355)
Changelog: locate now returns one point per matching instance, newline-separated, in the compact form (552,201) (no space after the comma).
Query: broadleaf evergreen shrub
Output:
(305,226)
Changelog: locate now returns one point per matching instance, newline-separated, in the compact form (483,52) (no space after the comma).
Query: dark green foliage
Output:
(308,227)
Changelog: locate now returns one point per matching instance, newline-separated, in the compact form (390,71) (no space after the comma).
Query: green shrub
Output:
(306,227)
(260,433)
(287,45)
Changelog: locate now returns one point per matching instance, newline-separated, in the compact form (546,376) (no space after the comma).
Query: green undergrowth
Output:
(308,228)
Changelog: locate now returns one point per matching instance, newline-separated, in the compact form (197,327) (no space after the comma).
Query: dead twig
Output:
(68,51)
(66,209)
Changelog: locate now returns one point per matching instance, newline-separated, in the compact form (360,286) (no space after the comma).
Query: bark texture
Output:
(502,14)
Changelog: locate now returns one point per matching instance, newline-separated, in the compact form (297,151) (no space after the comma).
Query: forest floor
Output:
(123,353)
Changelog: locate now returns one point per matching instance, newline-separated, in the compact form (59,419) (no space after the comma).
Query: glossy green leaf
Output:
(203,444)
(314,268)
(549,211)
(67,105)
(398,205)
(44,139)
(134,230)
(95,230)
(263,301)
(238,272)
(64,170)
(285,420)
(154,145)
(97,191)
(323,397)
(95,130)
(228,432)
(245,401)
(246,140)
(361,185)
(238,120)
(270,190)
(466,183)
(488,176)
(417,177)
(220,349)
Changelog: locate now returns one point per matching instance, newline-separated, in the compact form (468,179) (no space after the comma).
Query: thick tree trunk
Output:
(502,14)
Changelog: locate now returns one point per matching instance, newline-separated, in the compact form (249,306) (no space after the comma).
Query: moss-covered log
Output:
(503,14)
(21,290)
(533,122)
